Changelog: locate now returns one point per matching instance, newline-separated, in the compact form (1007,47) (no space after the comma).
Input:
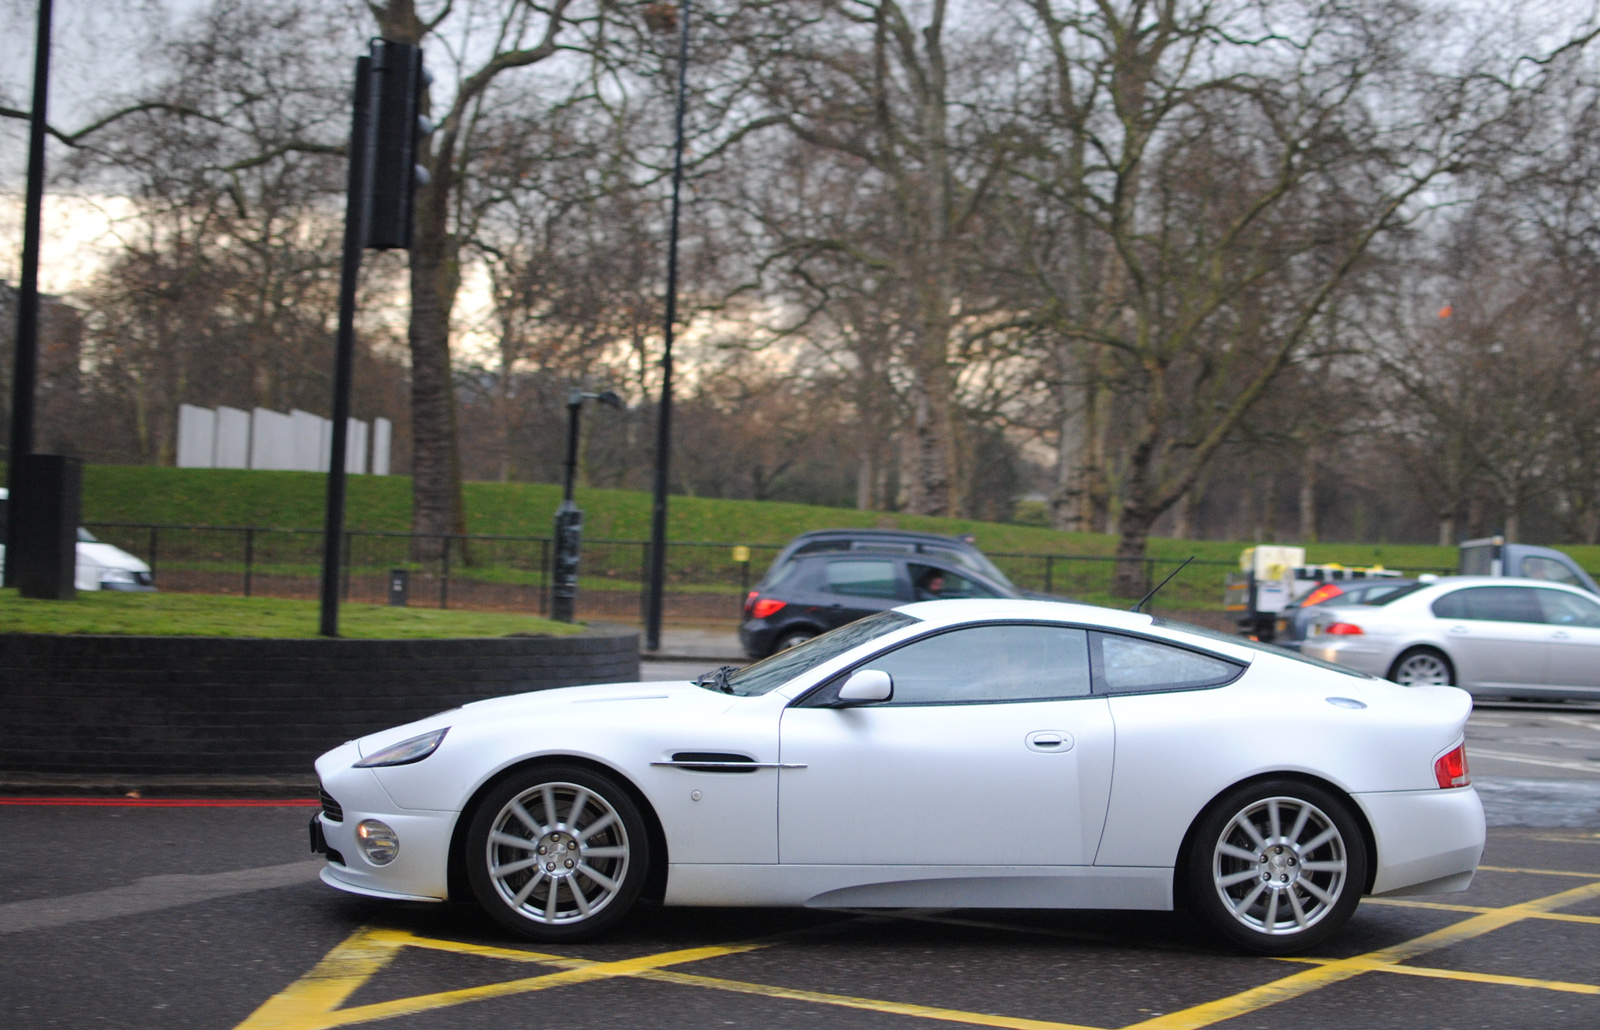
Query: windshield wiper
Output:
(717,679)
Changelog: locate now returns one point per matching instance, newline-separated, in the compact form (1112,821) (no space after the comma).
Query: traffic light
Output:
(398,127)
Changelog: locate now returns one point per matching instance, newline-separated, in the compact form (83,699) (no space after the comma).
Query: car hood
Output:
(614,703)
(109,557)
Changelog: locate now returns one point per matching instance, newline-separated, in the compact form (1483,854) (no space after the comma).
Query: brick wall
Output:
(108,704)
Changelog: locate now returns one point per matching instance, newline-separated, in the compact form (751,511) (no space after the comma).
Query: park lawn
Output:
(204,615)
(243,497)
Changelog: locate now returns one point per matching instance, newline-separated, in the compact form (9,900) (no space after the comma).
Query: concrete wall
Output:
(111,705)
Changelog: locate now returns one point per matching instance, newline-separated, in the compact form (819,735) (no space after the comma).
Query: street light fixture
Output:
(569,517)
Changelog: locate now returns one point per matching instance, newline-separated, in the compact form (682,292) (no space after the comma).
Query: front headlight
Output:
(405,752)
(117,576)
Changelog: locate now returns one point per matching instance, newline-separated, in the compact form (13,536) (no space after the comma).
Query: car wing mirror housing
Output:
(866,687)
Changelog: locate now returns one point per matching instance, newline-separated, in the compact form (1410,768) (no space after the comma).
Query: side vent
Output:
(715,761)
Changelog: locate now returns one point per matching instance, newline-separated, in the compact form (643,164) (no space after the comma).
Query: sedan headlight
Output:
(405,752)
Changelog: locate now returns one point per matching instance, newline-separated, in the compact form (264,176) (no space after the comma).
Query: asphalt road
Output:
(138,915)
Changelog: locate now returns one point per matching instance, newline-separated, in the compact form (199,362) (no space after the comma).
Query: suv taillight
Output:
(750,600)
(1451,768)
(1321,594)
(767,606)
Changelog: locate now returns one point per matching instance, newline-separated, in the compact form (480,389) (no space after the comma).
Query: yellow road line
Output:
(345,968)
(866,1004)
(1335,970)
(1560,917)
(1536,872)
(1464,975)
(322,1020)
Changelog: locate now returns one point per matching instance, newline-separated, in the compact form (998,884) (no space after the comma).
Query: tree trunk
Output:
(1447,528)
(436,466)
(1308,499)
(1066,500)
(1132,575)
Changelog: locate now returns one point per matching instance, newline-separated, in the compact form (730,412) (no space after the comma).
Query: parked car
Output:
(100,566)
(984,753)
(1493,636)
(813,593)
(1295,619)
(960,550)
(1492,556)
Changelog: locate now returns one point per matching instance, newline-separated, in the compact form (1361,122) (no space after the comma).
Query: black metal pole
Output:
(658,509)
(569,526)
(574,407)
(26,356)
(355,236)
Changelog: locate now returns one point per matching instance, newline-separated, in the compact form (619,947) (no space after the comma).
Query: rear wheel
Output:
(1422,667)
(793,638)
(557,852)
(1277,866)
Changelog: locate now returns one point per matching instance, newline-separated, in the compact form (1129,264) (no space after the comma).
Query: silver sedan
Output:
(1496,637)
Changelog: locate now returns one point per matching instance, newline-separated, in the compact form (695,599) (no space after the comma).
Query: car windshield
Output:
(786,665)
(1394,595)
(1256,645)
(86,537)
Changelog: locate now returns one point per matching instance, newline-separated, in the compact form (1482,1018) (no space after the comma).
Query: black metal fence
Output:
(705,581)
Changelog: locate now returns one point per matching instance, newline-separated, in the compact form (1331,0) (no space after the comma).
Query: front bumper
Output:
(420,870)
(1428,841)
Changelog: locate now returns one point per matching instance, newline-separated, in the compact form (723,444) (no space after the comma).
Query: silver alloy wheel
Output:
(1280,866)
(1423,669)
(557,853)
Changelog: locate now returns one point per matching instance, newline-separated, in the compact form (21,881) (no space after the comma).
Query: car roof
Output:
(953,612)
(879,534)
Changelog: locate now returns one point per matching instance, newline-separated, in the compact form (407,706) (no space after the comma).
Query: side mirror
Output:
(865,687)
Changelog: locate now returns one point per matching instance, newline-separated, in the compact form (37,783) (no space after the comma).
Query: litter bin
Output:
(399,587)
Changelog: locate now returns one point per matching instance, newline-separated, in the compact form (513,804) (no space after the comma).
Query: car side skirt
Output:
(941,886)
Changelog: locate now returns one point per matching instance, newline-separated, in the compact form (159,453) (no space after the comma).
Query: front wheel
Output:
(557,853)
(1277,867)
(1423,667)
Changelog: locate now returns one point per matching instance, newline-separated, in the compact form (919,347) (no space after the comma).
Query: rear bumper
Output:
(1428,841)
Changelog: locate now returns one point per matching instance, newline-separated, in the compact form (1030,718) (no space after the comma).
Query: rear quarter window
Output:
(1134,665)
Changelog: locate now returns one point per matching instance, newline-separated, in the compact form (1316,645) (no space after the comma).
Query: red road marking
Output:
(161,802)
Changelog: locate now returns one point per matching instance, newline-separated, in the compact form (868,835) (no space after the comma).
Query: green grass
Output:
(121,493)
(204,615)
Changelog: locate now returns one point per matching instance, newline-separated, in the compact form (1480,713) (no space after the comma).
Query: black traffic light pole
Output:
(569,517)
(384,128)
(26,351)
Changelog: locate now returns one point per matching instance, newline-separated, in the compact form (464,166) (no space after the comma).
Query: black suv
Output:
(811,593)
(960,550)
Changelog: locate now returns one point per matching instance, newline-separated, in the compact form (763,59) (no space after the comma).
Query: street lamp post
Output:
(569,517)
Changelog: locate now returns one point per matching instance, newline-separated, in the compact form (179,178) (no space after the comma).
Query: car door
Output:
(853,588)
(1496,635)
(991,752)
(1572,659)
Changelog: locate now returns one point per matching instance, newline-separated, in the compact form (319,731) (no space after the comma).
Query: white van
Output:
(100,566)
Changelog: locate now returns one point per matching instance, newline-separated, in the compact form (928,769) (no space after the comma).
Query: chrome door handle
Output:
(1049,741)
(1458,629)
(1561,634)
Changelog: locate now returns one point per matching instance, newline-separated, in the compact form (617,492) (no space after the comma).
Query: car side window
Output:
(1494,604)
(1564,609)
(863,579)
(932,583)
(989,663)
(1125,665)
(1549,569)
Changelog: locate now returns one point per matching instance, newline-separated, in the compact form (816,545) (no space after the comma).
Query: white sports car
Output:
(990,754)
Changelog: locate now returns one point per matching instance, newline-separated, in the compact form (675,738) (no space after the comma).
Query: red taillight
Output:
(1451,768)
(1321,594)
(1344,629)
(767,607)
(750,600)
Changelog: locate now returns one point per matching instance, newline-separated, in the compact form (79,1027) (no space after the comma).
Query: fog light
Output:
(378,842)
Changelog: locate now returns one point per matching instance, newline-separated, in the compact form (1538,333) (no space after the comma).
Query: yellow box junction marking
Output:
(314,1001)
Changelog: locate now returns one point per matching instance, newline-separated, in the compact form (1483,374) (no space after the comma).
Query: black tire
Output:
(1271,893)
(1423,666)
(592,873)
(793,638)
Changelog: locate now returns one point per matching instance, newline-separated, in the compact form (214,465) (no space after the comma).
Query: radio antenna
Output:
(1161,584)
